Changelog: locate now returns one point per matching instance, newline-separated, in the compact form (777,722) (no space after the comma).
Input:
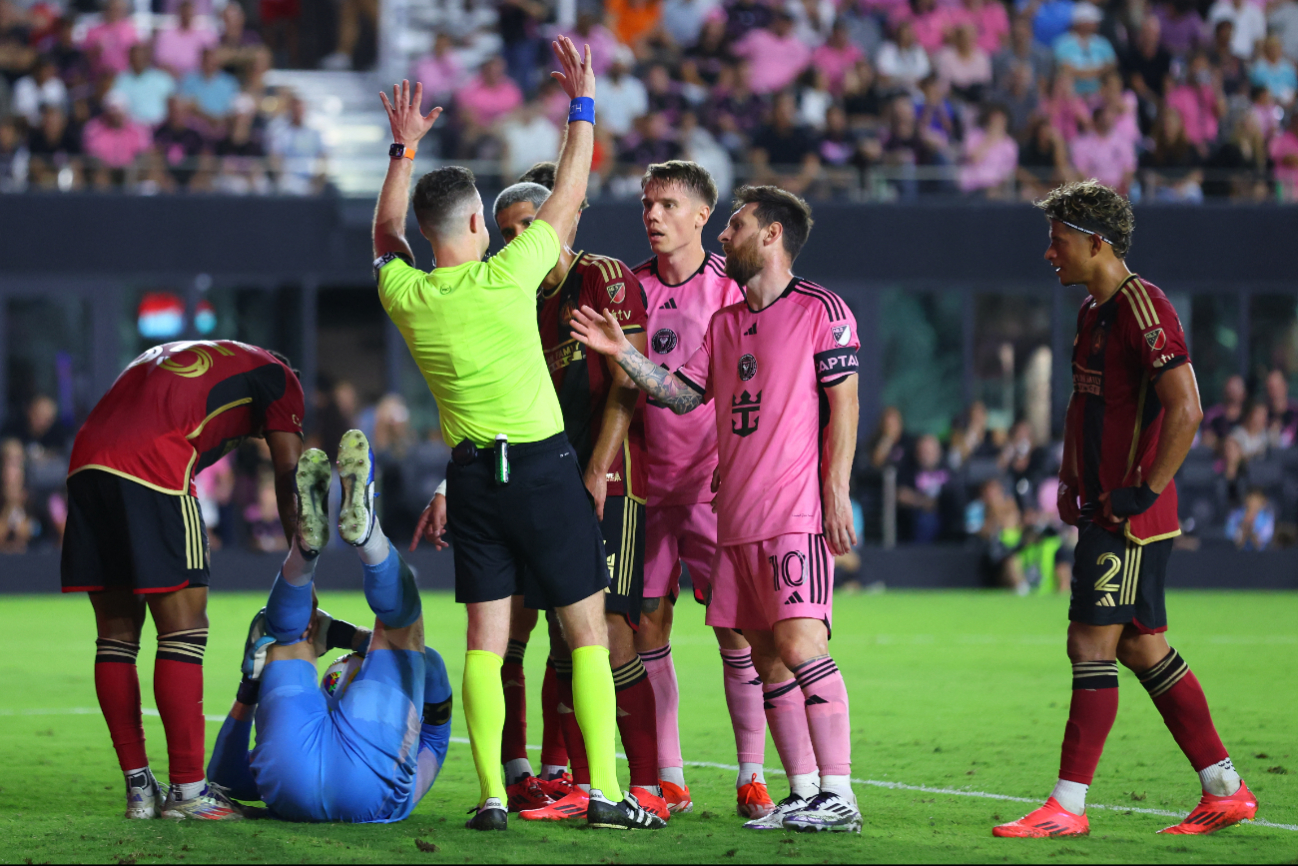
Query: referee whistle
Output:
(502,458)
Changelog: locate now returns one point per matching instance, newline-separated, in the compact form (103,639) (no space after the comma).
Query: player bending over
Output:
(769,362)
(367,742)
(135,539)
(1130,423)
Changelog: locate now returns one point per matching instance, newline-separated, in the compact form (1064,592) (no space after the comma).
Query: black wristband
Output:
(249,692)
(1130,501)
(341,635)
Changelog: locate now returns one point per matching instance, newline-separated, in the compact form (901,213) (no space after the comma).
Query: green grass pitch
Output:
(950,691)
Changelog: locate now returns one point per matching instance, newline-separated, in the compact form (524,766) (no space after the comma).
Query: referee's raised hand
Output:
(409,124)
(577,75)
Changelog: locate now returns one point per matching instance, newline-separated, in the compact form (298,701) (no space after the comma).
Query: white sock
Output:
(188,790)
(298,568)
(675,775)
(840,785)
(129,773)
(552,771)
(516,770)
(746,773)
(1071,795)
(1220,779)
(586,788)
(805,785)
(375,549)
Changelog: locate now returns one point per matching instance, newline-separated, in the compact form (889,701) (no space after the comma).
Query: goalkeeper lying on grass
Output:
(366,743)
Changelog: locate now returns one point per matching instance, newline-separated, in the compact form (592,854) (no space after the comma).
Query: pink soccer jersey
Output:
(765,371)
(682,449)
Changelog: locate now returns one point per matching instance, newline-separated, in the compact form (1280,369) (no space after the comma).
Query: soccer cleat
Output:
(255,646)
(603,814)
(557,788)
(826,813)
(312,482)
(677,797)
(356,470)
(753,799)
(491,815)
(573,805)
(211,804)
(652,803)
(144,798)
(1051,819)
(774,820)
(527,793)
(1214,813)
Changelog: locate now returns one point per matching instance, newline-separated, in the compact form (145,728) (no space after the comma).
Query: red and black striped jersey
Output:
(583,383)
(180,407)
(1122,347)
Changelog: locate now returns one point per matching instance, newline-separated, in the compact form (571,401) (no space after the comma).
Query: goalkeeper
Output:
(368,742)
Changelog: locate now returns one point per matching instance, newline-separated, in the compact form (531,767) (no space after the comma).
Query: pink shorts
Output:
(676,534)
(757,584)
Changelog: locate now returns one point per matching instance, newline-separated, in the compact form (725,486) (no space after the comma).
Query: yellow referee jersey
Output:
(472,331)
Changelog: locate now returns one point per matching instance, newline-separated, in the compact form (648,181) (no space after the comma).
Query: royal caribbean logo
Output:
(746,407)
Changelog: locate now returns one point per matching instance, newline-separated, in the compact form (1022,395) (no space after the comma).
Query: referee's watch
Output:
(398,150)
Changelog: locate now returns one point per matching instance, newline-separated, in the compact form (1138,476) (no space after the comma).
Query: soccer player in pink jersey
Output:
(786,435)
(684,285)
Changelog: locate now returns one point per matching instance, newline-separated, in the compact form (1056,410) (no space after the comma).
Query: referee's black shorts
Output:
(123,535)
(536,536)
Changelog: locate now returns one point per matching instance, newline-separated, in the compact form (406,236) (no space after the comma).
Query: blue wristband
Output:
(582,108)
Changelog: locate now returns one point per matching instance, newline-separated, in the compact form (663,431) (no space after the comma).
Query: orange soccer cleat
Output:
(571,806)
(754,801)
(1214,813)
(677,797)
(1051,819)
(527,793)
(558,787)
(651,803)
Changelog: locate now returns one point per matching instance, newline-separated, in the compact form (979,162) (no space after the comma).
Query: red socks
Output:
(637,722)
(1179,697)
(1090,718)
(553,752)
(576,746)
(513,739)
(117,684)
(178,691)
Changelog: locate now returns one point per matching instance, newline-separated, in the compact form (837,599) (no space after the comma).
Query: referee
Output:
(513,484)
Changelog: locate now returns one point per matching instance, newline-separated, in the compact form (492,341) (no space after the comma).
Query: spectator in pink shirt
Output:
(604,46)
(931,24)
(108,43)
(489,95)
(179,49)
(990,20)
(113,141)
(440,72)
(836,57)
(1104,154)
(964,66)
(776,57)
(1067,111)
(990,155)
(1199,99)
(1284,153)
(1122,104)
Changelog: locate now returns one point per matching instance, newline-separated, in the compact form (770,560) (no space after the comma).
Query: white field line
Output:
(875,783)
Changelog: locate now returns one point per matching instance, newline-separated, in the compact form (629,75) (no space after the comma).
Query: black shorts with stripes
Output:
(123,535)
(1118,581)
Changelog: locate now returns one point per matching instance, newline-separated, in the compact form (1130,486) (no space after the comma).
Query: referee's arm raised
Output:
(409,125)
(573,172)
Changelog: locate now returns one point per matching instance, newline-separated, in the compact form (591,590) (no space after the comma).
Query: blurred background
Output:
(207,169)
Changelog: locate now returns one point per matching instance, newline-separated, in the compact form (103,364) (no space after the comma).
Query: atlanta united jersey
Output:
(582,385)
(1122,347)
(767,372)
(180,407)
(682,449)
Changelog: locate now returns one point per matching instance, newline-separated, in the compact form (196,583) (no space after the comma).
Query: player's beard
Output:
(743,262)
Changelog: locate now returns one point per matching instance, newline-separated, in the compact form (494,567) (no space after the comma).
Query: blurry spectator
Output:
(622,98)
(298,153)
(1268,114)
(211,88)
(179,49)
(43,87)
(813,20)
(38,429)
(1067,111)
(1024,462)
(889,444)
(995,518)
(836,57)
(1051,20)
(735,112)
(1252,525)
(262,517)
(931,24)
(14,157)
(907,144)
(964,66)
(1282,423)
(179,143)
(922,483)
(1173,165)
(352,15)
(1282,20)
(969,439)
(6,97)
(663,94)
(1084,52)
(712,52)
(239,44)
(280,26)
(990,155)
(862,99)
(1183,29)
(1045,559)
(1043,160)
(440,72)
(145,86)
(107,43)
(1232,71)
(1237,169)
(937,115)
(16,52)
(527,137)
(1249,22)
(519,33)
(1104,154)
(1272,70)
(16,524)
(113,142)
(683,19)
(491,94)
(1251,435)
(1284,153)
(1220,419)
(990,21)
(337,413)
(214,488)
(1022,50)
(775,55)
(743,16)
(652,142)
(54,145)
(903,62)
(635,23)
(1146,66)
(62,46)
(838,149)
(240,155)
(1199,101)
(1123,106)
(698,145)
(784,153)
(813,99)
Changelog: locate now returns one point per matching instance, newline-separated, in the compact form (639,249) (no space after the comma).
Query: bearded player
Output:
(684,285)
(136,543)
(776,364)
(1131,420)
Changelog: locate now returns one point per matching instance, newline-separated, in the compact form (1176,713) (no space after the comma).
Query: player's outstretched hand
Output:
(432,525)
(408,122)
(840,533)
(577,75)
(600,333)
(1069,511)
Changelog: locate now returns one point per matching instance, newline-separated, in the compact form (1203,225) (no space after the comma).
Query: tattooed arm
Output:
(602,334)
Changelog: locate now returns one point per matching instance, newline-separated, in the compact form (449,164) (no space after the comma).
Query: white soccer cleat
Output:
(826,813)
(312,484)
(144,797)
(211,805)
(774,820)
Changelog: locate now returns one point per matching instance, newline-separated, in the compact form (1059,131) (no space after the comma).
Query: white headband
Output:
(1087,232)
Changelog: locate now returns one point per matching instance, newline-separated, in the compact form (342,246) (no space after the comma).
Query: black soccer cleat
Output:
(491,815)
(604,814)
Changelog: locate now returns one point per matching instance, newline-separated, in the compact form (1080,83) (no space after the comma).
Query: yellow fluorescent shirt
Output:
(472,331)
